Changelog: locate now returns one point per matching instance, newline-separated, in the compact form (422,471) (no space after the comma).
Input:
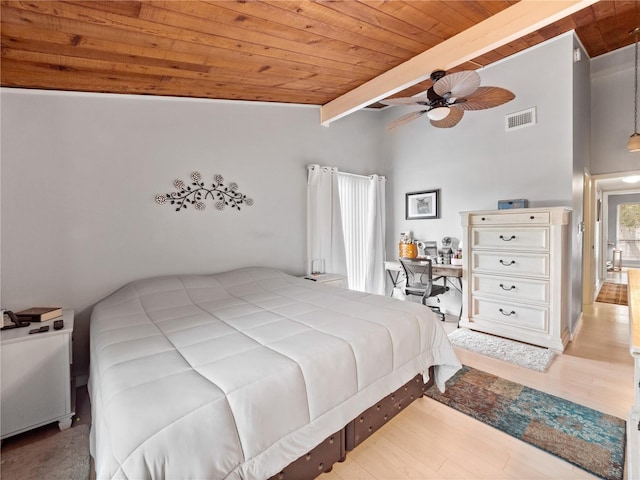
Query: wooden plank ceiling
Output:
(291,51)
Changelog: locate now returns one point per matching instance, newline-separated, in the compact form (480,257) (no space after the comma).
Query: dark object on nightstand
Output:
(42,329)
(40,314)
(15,321)
(58,324)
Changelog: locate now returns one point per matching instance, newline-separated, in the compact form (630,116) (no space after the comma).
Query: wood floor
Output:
(431,441)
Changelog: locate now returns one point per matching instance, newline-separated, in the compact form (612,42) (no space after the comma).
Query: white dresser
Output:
(516,269)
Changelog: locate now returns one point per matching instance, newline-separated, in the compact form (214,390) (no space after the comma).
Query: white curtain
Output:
(375,251)
(325,239)
(361,207)
(354,199)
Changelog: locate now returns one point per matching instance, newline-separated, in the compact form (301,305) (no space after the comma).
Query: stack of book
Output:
(40,314)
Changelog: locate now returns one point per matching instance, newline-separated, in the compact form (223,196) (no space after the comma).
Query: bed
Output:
(237,375)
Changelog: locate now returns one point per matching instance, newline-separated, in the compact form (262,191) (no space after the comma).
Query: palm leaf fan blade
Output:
(451,120)
(406,119)
(486,97)
(459,84)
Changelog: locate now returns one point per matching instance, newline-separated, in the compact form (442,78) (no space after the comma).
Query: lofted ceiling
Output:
(291,51)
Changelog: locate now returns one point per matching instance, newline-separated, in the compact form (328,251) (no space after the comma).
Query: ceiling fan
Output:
(448,98)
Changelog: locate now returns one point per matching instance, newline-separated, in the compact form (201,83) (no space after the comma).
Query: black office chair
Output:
(419,282)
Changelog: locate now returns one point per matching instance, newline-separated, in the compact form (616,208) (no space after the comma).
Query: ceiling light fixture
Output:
(634,139)
(440,113)
(631,179)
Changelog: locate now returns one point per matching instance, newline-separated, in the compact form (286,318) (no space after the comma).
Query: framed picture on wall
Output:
(422,205)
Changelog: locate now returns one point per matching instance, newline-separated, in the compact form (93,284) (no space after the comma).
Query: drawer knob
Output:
(507,264)
(512,287)
(483,219)
(512,312)
(532,217)
(502,237)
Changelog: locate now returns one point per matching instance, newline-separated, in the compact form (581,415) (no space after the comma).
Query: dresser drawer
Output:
(510,288)
(522,316)
(511,238)
(521,218)
(510,263)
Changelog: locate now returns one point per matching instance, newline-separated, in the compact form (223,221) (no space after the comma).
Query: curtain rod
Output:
(311,167)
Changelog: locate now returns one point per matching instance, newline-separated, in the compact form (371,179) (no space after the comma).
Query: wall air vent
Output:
(524,118)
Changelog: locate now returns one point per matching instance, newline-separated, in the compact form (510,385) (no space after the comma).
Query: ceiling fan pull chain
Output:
(635,87)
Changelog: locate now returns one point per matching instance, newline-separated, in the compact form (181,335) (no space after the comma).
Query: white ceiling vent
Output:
(524,118)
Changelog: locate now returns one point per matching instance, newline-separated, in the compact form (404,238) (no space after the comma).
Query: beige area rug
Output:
(613,293)
(63,456)
(521,354)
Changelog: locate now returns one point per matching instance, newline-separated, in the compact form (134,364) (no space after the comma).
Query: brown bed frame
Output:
(334,448)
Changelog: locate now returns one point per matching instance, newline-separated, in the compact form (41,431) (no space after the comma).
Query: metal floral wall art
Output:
(196,193)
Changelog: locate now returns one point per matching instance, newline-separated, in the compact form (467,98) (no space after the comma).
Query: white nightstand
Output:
(36,386)
(332,279)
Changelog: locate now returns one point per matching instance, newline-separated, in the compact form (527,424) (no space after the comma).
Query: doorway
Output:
(605,194)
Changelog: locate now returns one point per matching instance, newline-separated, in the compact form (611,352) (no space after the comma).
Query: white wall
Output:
(612,120)
(80,172)
(477,163)
(581,108)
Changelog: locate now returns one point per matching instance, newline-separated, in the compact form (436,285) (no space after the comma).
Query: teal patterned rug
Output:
(592,440)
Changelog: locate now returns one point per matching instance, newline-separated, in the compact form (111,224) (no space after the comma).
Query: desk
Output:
(447,272)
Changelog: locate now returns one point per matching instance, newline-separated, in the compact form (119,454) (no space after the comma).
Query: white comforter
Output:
(235,375)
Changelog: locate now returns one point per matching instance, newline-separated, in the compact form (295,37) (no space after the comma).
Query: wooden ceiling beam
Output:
(510,24)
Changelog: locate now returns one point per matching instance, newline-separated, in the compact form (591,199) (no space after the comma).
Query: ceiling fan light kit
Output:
(450,95)
(438,113)
(634,140)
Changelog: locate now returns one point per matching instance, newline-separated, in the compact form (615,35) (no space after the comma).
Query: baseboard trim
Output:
(573,334)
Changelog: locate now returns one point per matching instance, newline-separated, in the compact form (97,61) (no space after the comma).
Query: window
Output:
(628,235)
(354,208)
(346,225)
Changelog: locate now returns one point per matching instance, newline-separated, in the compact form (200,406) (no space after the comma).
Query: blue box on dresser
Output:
(514,203)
